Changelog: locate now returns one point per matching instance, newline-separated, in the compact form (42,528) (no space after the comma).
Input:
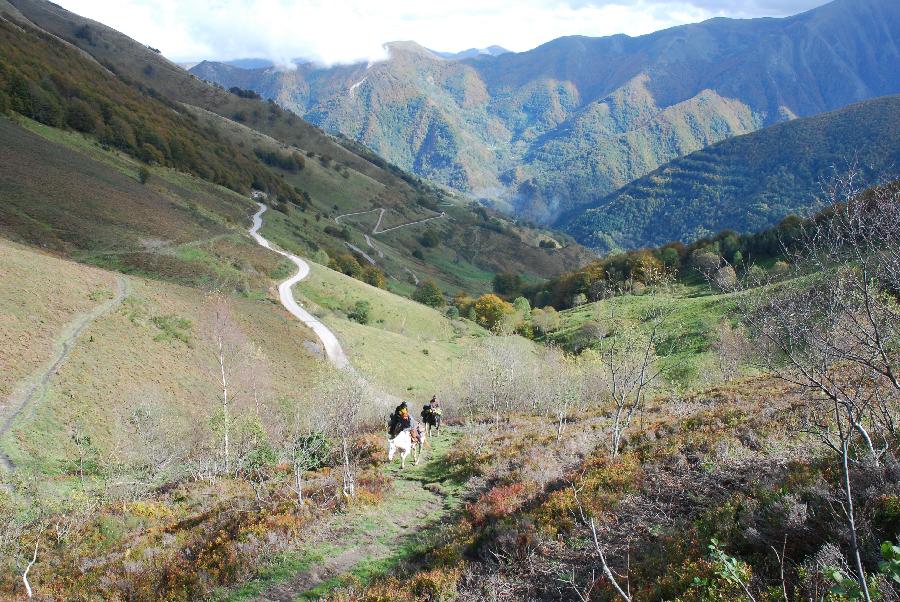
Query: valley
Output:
(545,133)
(216,318)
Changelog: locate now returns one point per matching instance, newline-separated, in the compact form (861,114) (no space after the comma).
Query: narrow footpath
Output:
(31,391)
(366,541)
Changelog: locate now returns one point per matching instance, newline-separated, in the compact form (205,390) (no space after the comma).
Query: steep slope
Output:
(150,350)
(175,120)
(560,126)
(746,183)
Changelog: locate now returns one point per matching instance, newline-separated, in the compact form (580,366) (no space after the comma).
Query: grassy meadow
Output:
(687,334)
(407,347)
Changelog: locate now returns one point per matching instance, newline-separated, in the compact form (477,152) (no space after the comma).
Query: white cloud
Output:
(342,31)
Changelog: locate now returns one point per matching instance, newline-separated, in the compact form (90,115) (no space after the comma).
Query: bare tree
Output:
(733,348)
(630,364)
(21,531)
(587,520)
(499,378)
(833,329)
(344,393)
(307,449)
(228,349)
(561,384)
(158,448)
(257,377)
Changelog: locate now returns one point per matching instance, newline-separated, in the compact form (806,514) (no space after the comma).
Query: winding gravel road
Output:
(377,229)
(333,348)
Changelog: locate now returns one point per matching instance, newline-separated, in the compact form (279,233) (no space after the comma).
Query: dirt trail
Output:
(32,390)
(378,230)
(333,349)
(376,535)
(362,253)
(369,537)
(372,246)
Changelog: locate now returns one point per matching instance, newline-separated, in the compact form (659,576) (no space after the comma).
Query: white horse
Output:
(403,443)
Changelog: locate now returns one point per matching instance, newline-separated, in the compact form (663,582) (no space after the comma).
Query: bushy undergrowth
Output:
(695,508)
(185,540)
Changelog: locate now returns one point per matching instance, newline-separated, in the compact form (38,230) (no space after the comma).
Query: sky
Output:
(346,31)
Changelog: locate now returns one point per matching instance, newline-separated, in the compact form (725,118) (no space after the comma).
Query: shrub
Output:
(342,233)
(143,174)
(545,320)
(507,284)
(780,268)
(706,262)
(725,278)
(346,264)
(85,33)
(430,238)
(43,105)
(521,305)
(887,514)
(291,161)
(172,328)
(374,277)
(243,93)
(360,312)
(435,584)
(500,502)
(81,116)
(490,310)
(429,294)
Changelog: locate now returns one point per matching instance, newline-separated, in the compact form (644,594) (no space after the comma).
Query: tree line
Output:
(634,271)
(44,81)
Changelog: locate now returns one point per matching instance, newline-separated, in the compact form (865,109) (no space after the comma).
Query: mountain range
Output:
(544,132)
(746,183)
(73,74)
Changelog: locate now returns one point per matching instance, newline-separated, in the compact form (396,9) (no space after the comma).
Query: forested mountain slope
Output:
(746,183)
(71,73)
(560,126)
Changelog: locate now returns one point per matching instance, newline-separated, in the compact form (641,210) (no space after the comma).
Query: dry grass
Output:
(39,295)
(129,357)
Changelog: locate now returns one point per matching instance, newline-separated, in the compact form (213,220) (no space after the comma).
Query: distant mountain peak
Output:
(250,63)
(547,131)
(407,46)
(470,53)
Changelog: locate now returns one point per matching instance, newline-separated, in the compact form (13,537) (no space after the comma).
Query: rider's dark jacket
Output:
(399,424)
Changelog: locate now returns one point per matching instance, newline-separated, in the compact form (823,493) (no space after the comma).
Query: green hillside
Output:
(747,183)
(148,349)
(142,114)
(699,422)
(405,345)
(691,329)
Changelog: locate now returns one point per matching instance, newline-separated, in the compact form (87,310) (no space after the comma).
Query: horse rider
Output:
(393,431)
(402,421)
(431,413)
